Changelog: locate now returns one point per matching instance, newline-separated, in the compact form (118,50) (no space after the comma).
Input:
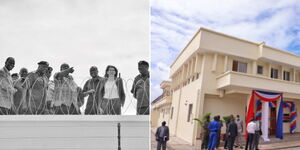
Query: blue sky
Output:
(173,23)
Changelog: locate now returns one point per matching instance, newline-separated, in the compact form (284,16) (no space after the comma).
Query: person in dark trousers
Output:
(162,136)
(205,133)
(219,132)
(232,132)
(250,136)
(258,133)
(213,127)
(225,138)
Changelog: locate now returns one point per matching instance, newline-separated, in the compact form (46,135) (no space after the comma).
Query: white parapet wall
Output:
(73,132)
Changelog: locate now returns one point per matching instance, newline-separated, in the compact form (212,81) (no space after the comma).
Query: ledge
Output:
(103,118)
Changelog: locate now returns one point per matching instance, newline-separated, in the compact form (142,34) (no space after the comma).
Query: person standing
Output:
(251,133)
(36,84)
(219,131)
(90,88)
(140,88)
(65,91)
(232,132)
(258,133)
(162,136)
(227,123)
(205,134)
(213,127)
(20,95)
(50,92)
(111,92)
(7,89)
(239,123)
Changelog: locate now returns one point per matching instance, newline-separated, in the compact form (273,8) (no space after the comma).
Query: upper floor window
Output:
(274,73)
(286,75)
(260,69)
(239,66)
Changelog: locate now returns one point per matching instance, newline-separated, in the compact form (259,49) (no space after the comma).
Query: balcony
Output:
(235,80)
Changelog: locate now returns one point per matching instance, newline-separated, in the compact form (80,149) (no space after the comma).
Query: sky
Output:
(82,33)
(173,24)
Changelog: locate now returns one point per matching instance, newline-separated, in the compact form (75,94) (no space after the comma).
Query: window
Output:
(172,109)
(274,73)
(260,69)
(239,66)
(190,112)
(286,75)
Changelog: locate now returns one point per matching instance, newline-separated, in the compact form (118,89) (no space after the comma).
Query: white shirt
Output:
(111,90)
(251,127)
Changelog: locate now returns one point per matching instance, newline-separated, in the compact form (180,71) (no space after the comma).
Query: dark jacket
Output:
(119,84)
(165,132)
(92,84)
(232,129)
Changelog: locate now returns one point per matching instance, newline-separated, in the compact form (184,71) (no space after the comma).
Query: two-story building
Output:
(216,73)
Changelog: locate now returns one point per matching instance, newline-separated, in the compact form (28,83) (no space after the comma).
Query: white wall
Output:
(73,132)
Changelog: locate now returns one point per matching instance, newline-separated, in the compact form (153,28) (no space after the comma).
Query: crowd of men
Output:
(211,133)
(34,93)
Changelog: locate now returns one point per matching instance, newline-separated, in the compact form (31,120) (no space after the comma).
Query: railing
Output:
(68,99)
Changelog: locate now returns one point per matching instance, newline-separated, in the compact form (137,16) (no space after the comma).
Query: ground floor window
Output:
(190,112)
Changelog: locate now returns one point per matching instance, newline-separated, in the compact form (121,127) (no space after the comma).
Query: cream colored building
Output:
(161,106)
(216,73)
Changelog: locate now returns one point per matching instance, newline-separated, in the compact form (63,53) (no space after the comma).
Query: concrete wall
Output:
(73,132)
(185,129)
(234,104)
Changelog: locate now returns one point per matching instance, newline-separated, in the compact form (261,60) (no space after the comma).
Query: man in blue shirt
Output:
(213,126)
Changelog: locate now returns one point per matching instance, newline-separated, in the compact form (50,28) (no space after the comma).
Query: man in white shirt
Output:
(251,133)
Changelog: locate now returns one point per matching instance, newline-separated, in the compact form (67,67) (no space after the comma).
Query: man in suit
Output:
(232,132)
(162,136)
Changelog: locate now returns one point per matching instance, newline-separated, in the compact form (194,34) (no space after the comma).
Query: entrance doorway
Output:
(272,121)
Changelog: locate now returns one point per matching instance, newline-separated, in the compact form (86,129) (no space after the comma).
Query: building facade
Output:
(216,73)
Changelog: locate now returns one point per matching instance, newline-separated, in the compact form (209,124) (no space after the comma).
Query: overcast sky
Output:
(81,33)
(173,24)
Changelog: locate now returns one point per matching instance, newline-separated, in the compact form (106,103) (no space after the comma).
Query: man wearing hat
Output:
(36,84)
(90,88)
(7,89)
(66,91)
(140,88)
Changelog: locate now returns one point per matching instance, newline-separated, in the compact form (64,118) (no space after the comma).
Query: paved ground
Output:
(290,142)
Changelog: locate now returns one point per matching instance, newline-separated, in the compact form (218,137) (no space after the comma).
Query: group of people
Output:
(211,133)
(34,92)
